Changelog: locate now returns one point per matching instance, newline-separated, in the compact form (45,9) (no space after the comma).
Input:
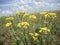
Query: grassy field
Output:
(41,28)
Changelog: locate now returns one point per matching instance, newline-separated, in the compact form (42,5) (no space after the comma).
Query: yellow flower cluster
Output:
(49,15)
(43,13)
(45,30)
(20,13)
(52,15)
(8,24)
(23,25)
(10,18)
(32,17)
(34,36)
(46,15)
(25,15)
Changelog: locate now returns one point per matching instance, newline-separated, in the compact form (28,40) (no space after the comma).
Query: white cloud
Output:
(58,4)
(22,2)
(27,1)
(23,5)
(6,12)
(28,7)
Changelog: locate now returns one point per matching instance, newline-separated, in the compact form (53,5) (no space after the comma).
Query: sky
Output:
(9,7)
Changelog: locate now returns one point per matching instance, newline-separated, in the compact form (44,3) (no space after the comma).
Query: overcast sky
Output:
(8,7)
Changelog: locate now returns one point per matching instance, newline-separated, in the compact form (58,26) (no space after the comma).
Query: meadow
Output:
(30,29)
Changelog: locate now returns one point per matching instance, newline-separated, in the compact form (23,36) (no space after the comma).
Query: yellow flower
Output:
(40,31)
(43,13)
(48,30)
(10,18)
(52,15)
(19,25)
(32,17)
(34,36)
(23,24)
(46,15)
(25,15)
(20,13)
(44,30)
(8,24)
